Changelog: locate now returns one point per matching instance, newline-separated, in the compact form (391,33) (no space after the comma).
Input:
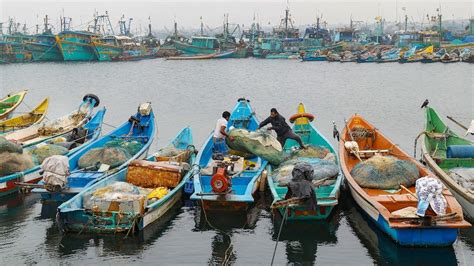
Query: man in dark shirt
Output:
(282,129)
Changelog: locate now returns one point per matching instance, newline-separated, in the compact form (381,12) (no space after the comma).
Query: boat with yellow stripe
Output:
(10,103)
(25,120)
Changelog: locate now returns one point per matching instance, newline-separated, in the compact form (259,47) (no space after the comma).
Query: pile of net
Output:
(171,153)
(12,158)
(114,153)
(385,172)
(464,177)
(322,169)
(311,151)
(260,143)
(43,151)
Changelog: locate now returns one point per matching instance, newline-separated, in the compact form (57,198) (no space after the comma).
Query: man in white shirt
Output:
(220,134)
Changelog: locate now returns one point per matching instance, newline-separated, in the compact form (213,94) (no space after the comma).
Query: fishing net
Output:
(168,151)
(14,162)
(464,177)
(360,132)
(311,151)
(322,169)
(119,196)
(385,172)
(260,143)
(9,146)
(113,156)
(49,130)
(43,151)
(131,146)
(78,117)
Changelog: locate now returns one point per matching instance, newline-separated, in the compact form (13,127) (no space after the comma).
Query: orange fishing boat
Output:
(389,209)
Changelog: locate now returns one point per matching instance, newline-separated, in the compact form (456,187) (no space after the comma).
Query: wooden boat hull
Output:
(35,116)
(427,237)
(436,125)
(88,178)
(193,50)
(107,52)
(74,219)
(379,204)
(76,47)
(315,58)
(244,185)
(44,52)
(10,103)
(192,57)
(31,135)
(327,196)
(32,175)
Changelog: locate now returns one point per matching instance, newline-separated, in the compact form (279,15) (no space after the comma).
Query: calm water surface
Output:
(195,93)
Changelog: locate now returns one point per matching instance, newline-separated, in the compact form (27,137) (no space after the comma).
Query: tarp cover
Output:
(56,169)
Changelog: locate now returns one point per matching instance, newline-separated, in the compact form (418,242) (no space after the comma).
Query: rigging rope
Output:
(279,232)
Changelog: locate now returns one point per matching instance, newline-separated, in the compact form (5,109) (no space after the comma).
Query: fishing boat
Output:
(44,46)
(449,58)
(77,45)
(10,184)
(25,120)
(199,45)
(75,216)
(237,193)
(139,131)
(436,142)
(10,103)
(192,57)
(327,195)
(49,129)
(107,48)
(383,207)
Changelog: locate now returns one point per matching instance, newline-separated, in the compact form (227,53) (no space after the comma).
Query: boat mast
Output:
(202,27)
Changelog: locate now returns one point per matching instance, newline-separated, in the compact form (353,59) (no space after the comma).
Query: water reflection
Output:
(384,250)
(302,238)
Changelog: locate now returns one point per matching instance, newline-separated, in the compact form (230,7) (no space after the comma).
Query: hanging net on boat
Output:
(385,172)
(322,169)
(11,163)
(43,151)
(260,143)
(9,146)
(464,177)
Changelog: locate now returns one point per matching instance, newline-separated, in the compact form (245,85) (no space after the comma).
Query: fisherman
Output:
(220,134)
(301,186)
(281,128)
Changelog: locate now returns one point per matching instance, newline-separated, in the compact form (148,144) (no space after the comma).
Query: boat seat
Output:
(303,132)
(395,198)
(370,153)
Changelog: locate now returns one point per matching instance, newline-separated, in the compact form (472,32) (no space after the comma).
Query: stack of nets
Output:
(323,169)
(43,151)
(385,172)
(311,151)
(260,143)
(12,158)
(464,177)
(114,153)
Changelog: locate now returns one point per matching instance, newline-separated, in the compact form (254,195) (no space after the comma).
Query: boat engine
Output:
(221,181)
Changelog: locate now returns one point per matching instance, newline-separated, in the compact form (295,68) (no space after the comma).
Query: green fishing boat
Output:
(10,103)
(327,191)
(77,45)
(44,47)
(451,158)
(107,48)
(198,45)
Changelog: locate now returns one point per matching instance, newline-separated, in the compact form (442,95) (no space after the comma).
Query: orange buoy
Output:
(301,115)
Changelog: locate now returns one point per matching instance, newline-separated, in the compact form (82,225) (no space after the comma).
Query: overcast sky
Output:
(188,12)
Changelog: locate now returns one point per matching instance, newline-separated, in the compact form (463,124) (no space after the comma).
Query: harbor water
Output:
(195,93)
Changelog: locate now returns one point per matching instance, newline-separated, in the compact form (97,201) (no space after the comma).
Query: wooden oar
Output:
(409,191)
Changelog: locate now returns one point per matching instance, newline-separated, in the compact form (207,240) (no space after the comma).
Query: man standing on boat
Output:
(219,134)
(282,129)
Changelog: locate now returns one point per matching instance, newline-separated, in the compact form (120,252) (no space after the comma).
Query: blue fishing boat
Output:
(77,45)
(237,192)
(315,58)
(93,128)
(78,215)
(107,48)
(328,190)
(138,133)
(198,45)
(44,47)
